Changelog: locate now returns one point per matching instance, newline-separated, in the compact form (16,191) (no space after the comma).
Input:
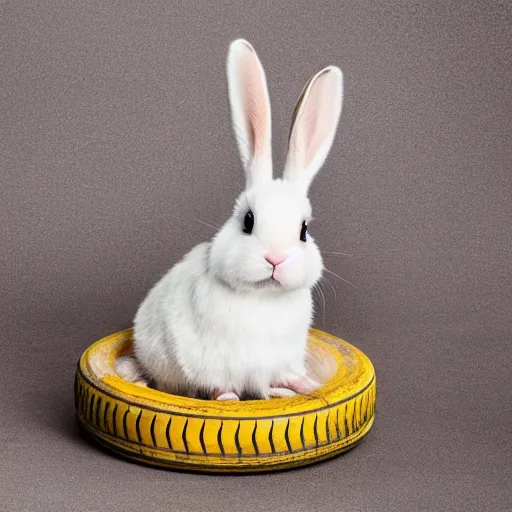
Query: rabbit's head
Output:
(265,244)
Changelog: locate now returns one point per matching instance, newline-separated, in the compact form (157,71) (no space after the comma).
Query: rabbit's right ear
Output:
(313,126)
(250,111)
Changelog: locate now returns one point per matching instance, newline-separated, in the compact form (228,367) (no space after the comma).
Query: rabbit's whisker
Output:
(339,277)
(337,253)
(324,278)
(213,226)
(352,255)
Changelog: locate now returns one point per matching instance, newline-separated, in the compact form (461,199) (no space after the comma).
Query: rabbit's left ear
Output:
(314,125)
(250,111)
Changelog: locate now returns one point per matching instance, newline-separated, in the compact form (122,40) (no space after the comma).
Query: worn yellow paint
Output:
(257,435)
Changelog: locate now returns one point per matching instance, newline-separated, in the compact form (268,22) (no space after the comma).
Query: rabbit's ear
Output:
(250,111)
(314,124)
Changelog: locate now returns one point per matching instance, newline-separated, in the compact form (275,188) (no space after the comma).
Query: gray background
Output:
(116,139)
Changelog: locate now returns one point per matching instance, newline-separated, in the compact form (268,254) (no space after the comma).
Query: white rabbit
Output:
(231,319)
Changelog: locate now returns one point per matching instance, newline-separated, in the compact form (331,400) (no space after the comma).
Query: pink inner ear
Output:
(318,119)
(253,91)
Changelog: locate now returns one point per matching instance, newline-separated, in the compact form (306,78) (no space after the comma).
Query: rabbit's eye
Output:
(303,231)
(248,222)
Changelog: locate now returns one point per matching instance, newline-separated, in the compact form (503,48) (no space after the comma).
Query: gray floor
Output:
(116,140)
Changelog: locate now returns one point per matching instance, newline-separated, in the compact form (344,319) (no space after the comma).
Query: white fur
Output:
(129,369)
(223,320)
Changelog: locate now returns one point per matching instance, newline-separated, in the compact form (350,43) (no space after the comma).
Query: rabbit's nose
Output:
(274,260)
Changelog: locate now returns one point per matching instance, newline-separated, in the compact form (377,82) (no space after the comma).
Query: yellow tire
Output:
(164,430)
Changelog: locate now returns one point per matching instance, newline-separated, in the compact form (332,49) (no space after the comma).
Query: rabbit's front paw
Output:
(275,392)
(229,395)
(300,384)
